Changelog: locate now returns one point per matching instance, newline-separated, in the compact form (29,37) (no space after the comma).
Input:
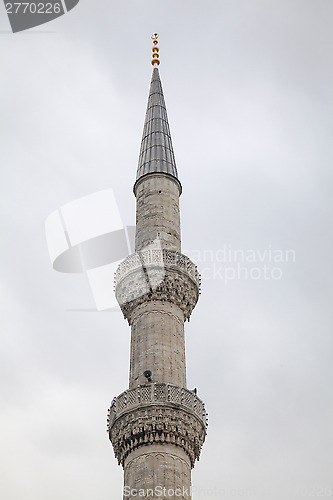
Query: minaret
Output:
(157,426)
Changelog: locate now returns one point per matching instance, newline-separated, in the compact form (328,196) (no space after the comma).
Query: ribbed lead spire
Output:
(156,154)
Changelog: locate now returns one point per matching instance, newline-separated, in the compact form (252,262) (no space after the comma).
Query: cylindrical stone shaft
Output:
(157,344)
(161,469)
(157,212)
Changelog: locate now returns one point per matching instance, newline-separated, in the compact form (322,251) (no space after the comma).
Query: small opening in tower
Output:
(148,375)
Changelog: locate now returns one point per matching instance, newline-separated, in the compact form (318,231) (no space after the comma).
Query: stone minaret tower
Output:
(157,426)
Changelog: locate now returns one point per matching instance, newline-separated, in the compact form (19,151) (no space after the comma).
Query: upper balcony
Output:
(157,274)
(158,258)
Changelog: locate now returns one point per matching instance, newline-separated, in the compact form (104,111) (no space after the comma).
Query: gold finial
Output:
(156,58)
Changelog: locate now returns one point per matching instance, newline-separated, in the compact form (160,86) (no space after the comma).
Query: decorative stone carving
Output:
(156,393)
(161,423)
(157,274)
(159,454)
(157,413)
(157,256)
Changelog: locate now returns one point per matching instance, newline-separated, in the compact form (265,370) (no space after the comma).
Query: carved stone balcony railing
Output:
(159,258)
(157,275)
(157,413)
(156,394)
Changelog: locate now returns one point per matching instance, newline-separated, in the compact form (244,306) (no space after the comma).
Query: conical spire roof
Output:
(156,154)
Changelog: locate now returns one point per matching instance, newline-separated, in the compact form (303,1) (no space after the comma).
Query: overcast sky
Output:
(248,87)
